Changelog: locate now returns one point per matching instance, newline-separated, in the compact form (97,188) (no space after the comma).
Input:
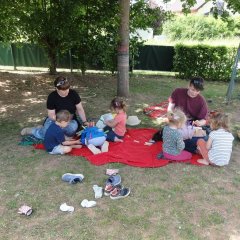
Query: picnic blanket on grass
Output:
(132,151)
(156,111)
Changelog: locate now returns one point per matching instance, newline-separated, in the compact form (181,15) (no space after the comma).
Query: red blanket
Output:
(156,111)
(132,151)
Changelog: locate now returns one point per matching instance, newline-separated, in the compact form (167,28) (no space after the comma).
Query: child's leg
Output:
(201,146)
(66,149)
(60,149)
(184,155)
(116,139)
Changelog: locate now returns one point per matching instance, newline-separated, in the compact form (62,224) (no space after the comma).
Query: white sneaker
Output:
(65,208)
(88,204)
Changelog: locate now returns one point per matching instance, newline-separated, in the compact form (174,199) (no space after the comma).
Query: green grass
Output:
(178,201)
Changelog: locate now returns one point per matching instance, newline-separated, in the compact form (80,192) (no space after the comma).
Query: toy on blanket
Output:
(93,137)
(105,117)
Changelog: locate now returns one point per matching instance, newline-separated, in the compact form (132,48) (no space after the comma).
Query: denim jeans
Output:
(69,130)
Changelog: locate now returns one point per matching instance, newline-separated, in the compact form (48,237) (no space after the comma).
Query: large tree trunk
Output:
(123,50)
(52,56)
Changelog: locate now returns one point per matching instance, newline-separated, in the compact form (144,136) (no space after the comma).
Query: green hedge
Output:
(212,63)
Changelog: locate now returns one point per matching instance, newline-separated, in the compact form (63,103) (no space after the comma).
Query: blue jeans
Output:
(191,144)
(69,130)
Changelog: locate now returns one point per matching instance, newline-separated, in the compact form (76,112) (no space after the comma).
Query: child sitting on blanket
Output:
(116,128)
(54,140)
(173,143)
(217,150)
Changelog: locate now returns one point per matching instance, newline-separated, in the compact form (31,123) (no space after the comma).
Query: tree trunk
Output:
(123,50)
(52,56)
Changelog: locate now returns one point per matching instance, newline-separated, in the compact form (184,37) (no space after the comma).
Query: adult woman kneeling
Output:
(63,98)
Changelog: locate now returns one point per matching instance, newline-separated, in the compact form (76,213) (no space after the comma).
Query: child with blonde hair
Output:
(54,140)
(218,148)
(173,144)
(116,128)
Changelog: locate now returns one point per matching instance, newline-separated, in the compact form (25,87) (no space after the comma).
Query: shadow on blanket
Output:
(132,151)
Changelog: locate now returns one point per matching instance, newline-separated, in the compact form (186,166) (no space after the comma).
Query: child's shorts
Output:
(111,136)
(57,150)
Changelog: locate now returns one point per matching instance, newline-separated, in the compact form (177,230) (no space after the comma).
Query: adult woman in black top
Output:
(63,98)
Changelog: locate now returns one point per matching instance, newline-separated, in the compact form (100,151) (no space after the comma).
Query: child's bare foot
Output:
(93,149)
(105,146)
(117,139)
(203,161)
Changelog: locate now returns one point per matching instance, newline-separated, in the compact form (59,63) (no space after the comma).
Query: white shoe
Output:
(87,204)
(93,149)
(65,208)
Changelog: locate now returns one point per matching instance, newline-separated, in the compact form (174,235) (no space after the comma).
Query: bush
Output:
(199,28)
(212,63)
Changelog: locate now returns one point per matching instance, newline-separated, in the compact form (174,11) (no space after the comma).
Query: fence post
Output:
(70,60)
(13,52)
(233,76)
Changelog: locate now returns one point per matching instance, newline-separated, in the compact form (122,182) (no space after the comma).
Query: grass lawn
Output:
(178,201)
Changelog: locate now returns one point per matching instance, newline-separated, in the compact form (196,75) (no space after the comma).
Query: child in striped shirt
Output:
(217,150)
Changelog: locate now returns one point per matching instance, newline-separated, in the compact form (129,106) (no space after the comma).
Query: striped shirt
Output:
(220,152)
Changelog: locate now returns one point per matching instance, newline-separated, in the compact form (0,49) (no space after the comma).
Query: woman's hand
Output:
(199,123)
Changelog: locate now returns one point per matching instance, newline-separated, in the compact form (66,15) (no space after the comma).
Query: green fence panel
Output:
(155,58)
(6,55)
(29,55)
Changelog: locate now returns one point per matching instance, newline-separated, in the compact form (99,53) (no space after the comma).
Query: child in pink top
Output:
(116,128)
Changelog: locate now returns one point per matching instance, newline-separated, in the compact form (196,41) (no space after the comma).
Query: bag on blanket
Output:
(93,135)
(105,117)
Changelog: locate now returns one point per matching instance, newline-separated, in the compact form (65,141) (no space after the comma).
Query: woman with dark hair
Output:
(193,104)
(63,98)
(191,101)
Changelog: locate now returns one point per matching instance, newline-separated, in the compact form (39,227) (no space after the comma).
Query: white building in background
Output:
(203,7)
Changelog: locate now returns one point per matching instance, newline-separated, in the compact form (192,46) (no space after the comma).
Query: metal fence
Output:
(155,58)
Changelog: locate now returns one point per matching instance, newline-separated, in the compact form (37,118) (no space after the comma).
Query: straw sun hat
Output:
(133,121)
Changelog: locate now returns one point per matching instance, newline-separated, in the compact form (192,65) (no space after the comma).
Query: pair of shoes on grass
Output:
(114,189)
(95,150)
(72,178)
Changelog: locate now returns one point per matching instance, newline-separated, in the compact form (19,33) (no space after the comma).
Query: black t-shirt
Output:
(57,103)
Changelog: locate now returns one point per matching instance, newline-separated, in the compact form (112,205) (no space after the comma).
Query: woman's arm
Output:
(170,107)
(81,112)
(52,114)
